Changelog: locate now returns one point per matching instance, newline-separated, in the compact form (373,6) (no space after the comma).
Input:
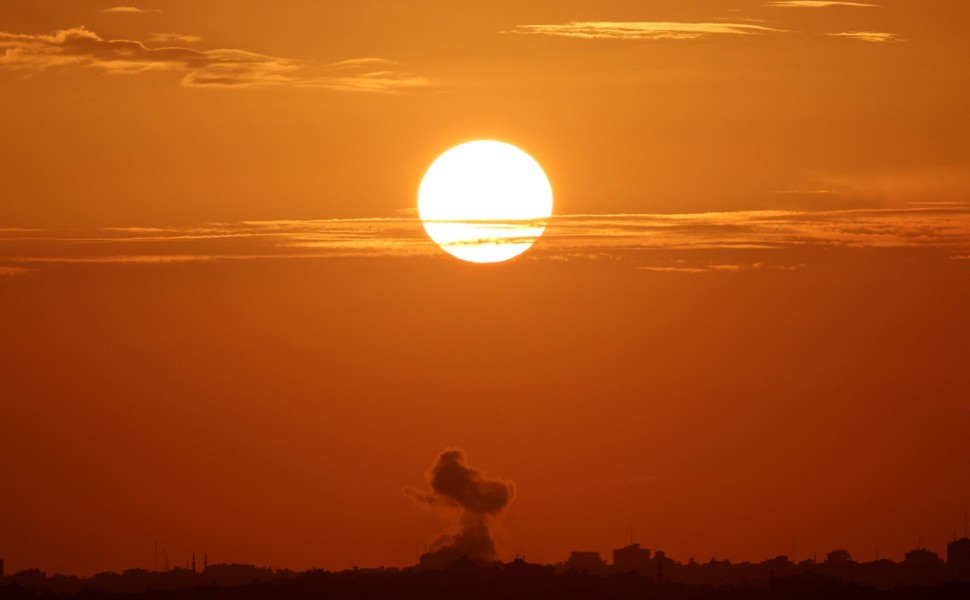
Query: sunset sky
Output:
(745,332)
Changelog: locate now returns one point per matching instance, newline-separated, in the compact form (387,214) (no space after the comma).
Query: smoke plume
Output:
(476,496)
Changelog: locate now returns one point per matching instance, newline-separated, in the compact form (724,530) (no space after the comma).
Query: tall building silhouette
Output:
(631,559)
(957,558)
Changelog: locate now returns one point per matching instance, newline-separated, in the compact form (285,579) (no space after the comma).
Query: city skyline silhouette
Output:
(921,569)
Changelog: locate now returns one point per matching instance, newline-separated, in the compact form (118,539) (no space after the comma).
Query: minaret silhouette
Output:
(205,562)
(193,562)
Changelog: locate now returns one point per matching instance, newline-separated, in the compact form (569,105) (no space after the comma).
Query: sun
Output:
(485,201)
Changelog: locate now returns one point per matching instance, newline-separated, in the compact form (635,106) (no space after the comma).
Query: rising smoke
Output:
(477,496)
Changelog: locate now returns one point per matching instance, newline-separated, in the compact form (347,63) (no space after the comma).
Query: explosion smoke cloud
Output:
(478,496)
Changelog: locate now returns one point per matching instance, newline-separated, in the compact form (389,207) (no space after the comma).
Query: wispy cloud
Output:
(869,36)
(131,10)
(916,227)
(810,192)
(674,269)
(637,237)
(367,75)
(818,4)
(248,240)
(172,37)
(15,271)
(740,19)
(889,186)
(641,30)
(714,267)
(226,68)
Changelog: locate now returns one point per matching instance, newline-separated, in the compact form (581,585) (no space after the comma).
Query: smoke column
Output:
(477,496)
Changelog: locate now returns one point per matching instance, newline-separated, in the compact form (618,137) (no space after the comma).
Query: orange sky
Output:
(223,328)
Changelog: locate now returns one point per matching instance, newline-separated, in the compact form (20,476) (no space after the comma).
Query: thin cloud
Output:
(172,37)
(681,267)
(154,259)
(638,237)
(869,36)
(738,19)
(218,68)
(927,227)
(641,30)
(15,271)
(673,269)
(818,4)
(813,192)
(895,186)
(131,10)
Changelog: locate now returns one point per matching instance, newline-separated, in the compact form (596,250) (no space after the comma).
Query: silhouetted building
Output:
(660,558)
(921,557)
(632,559)
(32,579)
(521,569)
(587,562)
(923,567)
(237,574)
(957,559)
(838,563)
(1,567)
(839,558)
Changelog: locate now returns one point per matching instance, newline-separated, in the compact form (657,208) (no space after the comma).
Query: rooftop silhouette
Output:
(633,568)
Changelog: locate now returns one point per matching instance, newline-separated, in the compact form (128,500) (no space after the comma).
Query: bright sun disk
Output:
(485,201)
